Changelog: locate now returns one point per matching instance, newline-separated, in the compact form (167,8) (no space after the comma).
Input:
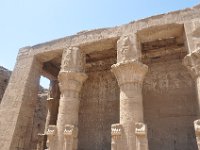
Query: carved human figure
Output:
(141,136)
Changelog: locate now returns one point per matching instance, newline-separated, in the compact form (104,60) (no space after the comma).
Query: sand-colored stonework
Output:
(131,87)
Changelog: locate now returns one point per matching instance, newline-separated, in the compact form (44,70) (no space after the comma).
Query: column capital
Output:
(71,80)
(73,59)
(129,72)
(192,63)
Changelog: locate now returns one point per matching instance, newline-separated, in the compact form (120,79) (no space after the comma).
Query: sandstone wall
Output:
(99,109)
(39,120)
(4,78)
(170,105)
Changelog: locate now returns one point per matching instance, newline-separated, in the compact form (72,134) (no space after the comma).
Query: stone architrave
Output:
(51,132)
(130,74)
(141,136)
(71,78)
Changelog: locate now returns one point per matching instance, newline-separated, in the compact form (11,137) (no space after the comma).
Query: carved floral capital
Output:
(71,81)
(129,72)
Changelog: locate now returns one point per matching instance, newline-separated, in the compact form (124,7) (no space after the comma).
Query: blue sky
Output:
(29,22)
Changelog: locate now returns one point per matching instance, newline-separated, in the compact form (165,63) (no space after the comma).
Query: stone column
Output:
(18,104)
(192,62)
(130,74)
(53,103)
(71,78)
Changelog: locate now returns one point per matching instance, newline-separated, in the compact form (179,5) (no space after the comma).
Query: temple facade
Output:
(131,87)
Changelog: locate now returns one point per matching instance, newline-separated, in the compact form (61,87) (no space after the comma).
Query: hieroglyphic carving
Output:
(141,136)
(197,132)
(116,132)
(70,137)
(73,59)
(51,132)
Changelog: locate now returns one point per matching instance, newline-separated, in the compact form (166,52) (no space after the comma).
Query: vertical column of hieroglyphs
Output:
(71,78)
(18,104)
(192,62)
(130,73)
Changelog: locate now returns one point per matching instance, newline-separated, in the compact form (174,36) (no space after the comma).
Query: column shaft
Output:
(130,77)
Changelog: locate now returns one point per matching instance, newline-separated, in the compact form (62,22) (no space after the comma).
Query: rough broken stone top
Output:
(127,49)
(73,59)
